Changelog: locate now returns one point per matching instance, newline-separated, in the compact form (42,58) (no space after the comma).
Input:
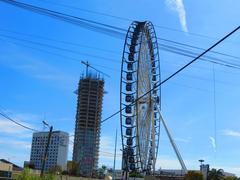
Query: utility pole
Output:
(46,151)
(114,163)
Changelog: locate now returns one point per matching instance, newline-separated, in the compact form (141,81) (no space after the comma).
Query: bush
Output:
(230,178)
(26,175)
(135,174)
(193,175)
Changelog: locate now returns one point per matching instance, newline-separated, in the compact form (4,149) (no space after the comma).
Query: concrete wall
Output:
(169,178)
(5,166)
(63,177)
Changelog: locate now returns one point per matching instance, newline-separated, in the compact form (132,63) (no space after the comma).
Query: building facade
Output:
(57,152)
(5,170)
(87,125)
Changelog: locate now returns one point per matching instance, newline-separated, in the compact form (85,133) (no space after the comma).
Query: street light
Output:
(201,165)
(47,146)
(201,161)
(45,123)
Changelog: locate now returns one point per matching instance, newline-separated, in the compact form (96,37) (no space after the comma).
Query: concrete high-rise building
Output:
(57,152)
(88,124)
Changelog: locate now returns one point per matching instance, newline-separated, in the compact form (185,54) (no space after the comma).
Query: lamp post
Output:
(201,161)
(114,163)
(47,146)
(201,165)
(204,169)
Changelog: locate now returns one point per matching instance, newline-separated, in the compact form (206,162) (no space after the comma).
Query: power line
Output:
(116,70)
(46,11)
(65,17)
(105,67)
(77,60)
(111,51)
(184,75)
(206,58)
(89,11)
(85,23)
(180,50)
(164,47)
(17,123)
(58,48)
(59,41)
(127,19)
(174,74)
(214,111)
(199,48)
(20,124)
(42,50)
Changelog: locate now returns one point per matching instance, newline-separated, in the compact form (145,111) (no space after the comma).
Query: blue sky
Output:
(38,82)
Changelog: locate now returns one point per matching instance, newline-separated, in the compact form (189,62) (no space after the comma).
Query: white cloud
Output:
(71,142)
(34,67)
(178,5)
(230,169)
(167,163)
(213,142)
(16,144)
(17,157)
(106,152)
(11,128)
(107,143)
(232,133)
(182,140)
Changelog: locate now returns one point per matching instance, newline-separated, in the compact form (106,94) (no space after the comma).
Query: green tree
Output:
(26,175)
(193,175)
(55,170)
(102,171)
(135,174)
(73,168)
(215,174)
(48,177)
(104,168)
(230,178)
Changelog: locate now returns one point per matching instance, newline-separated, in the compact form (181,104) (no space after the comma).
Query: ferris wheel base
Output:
(149,178)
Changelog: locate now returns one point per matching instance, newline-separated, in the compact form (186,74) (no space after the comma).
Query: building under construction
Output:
(88,124)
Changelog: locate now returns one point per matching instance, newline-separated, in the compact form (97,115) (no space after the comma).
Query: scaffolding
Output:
(88,124)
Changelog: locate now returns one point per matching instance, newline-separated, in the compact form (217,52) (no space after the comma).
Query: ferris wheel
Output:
(140,119)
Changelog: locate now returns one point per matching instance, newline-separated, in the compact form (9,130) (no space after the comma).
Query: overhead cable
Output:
(172,49)
(174,74)
(17,123)
(85,23)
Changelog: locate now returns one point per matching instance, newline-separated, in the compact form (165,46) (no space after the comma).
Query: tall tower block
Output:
(88,124)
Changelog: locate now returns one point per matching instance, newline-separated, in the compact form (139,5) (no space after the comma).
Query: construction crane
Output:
(89,66)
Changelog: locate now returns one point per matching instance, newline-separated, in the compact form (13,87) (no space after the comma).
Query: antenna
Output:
(89,66)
